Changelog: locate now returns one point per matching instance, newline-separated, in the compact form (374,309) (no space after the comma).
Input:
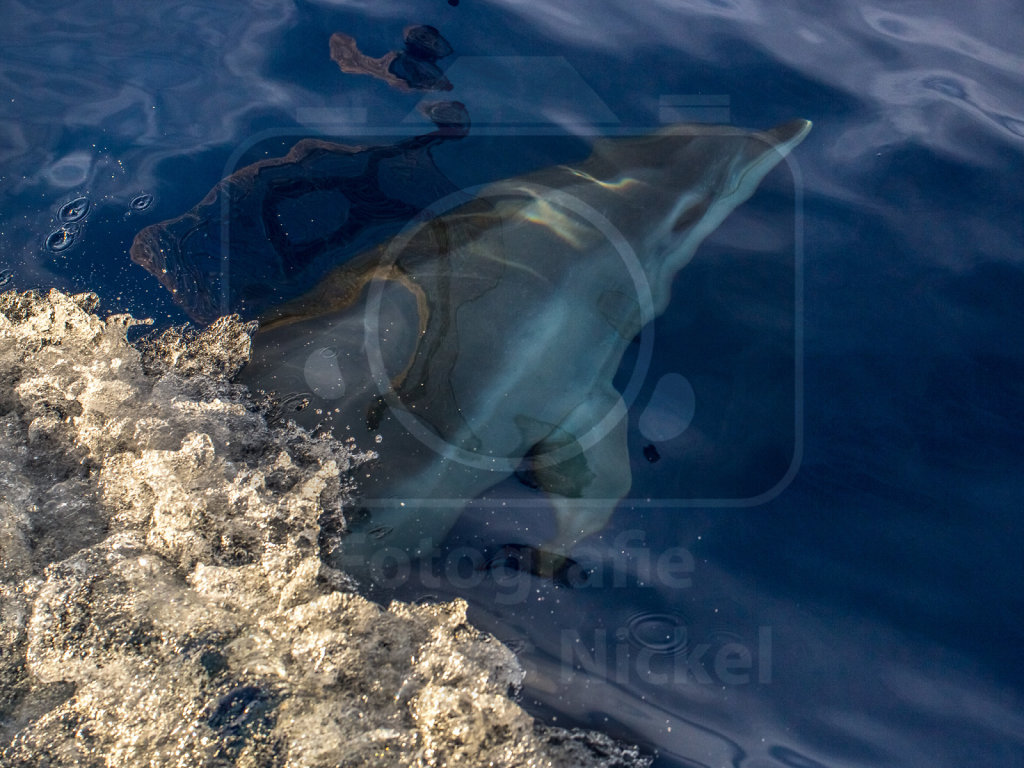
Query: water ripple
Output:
(60,240)
(74,210)
(664,633)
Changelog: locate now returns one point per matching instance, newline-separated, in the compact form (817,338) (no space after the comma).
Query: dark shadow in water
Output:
(270,231)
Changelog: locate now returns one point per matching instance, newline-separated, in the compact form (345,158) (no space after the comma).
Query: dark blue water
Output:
(865,611)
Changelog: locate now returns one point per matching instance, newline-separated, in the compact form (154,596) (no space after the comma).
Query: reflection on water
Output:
(414,69)
(272,229)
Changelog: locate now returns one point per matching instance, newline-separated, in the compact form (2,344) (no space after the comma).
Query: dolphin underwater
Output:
(482,340)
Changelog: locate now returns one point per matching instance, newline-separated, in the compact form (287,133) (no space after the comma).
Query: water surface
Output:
(866,612)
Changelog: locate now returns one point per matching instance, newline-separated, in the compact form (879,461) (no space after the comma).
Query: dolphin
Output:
(482,340)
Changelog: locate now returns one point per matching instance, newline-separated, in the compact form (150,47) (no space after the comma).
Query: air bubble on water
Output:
(141,202)
(74,210)
(378,439)
(60,240)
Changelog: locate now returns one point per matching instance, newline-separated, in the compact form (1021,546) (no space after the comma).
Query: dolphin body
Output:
(483,341)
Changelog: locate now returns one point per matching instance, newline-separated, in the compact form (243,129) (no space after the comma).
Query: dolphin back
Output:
(483,343)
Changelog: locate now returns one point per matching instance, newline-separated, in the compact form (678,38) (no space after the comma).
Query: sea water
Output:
(846,594)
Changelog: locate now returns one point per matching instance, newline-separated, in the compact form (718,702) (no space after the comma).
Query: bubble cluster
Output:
(70,215)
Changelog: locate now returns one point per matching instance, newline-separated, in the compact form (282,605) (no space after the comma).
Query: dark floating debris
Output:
(60,240)
(241,717)
(141,202)
(651,453)
(410,70)
(74,210)
(453,3)
(213,662)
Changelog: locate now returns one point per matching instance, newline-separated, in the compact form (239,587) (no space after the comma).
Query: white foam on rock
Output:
(163,597)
